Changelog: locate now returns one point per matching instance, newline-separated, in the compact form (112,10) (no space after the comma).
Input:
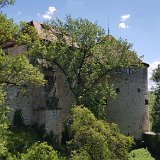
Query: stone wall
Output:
(129,108)
(16,50)
(44,105)
(54,117)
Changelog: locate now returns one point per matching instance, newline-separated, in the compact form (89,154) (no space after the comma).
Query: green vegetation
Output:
(140,154)
(4,3)
(151,99)
(40,151)
(156,106)
(96,138)
(20,139)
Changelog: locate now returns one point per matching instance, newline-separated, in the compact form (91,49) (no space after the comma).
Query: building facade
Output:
(129,108)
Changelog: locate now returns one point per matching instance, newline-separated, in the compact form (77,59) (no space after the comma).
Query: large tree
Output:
(156,106)
(86,55)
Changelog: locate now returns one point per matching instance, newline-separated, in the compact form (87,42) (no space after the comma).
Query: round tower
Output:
(129,109)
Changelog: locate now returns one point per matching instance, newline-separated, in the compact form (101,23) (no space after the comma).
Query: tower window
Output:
(130,71)
(138,90)
(118,70)
(146,101)
(117,90)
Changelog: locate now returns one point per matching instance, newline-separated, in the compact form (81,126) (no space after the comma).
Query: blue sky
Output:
(138,21)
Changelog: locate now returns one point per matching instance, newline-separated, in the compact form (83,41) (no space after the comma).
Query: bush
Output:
(98,139)
(80,155)
(140,154)
(20,139)
(40,151)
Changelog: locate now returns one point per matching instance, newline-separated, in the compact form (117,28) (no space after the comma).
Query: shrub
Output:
(140,154)
(40,151)
(20,139)
(97,138)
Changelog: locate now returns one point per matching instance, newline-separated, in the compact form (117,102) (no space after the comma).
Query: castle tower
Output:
(129,109)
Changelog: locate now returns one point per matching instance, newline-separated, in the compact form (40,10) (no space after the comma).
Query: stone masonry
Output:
(129,109)
(44,105)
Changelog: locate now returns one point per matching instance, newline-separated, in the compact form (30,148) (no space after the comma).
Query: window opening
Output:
(138,90)
(117,90)
(146,101)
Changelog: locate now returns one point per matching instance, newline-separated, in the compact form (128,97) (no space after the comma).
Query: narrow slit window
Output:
(117,90)
(106,102)
(146,101)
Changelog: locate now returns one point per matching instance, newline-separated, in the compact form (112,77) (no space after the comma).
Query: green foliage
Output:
(97,138)
(140,154)
(10,32)
(27,35)
(79,155)
(40,151)
(4,3)
(3,126)
(20,139)
(52,140)
(151,99)
(18,71)
(156,74)
(156,106)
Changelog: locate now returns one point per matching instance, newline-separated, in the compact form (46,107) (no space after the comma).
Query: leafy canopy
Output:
(40,151)
(17,70)
(156,74)
(3,125)
(156,105)
(140,154)
(86,55)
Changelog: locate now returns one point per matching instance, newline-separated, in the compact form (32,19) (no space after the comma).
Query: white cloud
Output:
(125,17)
(51,10)
(123,25)
(46,16)
(152,66)
(19,12)
(49,13)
